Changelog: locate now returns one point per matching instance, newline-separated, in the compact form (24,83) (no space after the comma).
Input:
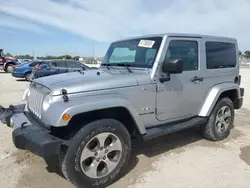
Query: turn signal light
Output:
(66,117)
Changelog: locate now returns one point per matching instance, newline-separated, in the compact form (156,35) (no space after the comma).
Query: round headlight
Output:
(47,101)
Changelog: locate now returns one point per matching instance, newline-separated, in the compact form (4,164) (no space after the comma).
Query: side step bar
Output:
(169,128)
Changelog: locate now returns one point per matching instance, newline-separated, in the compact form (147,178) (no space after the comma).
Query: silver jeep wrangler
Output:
(148,86)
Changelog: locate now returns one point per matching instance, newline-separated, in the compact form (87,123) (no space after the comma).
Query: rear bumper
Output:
(29,135)
(239,102)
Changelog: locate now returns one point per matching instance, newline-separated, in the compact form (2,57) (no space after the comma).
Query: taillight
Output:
(37,68)
(14,68)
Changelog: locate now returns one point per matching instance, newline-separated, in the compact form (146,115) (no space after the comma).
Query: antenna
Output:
(33,54)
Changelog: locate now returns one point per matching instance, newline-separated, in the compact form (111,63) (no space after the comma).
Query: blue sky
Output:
(56,27)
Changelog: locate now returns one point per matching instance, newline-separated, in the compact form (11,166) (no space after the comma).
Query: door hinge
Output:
(159,88)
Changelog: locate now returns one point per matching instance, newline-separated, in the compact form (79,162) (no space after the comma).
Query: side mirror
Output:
(173,67)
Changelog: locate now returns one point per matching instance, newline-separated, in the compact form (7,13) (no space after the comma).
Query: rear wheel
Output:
(220,121)
(27,76)
(97,154)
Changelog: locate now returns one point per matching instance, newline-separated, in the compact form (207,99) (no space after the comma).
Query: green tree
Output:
(26,56)
(247,54)
(7,54)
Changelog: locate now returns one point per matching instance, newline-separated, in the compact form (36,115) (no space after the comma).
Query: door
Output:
(182,96)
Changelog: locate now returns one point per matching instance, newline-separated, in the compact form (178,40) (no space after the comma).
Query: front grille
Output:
(35,98)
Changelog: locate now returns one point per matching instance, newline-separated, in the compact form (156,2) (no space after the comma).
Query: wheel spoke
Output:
(86,153)
(111,164)
(227,113)
(218,119)
(92,169)
(101,139)
(222,117)
(223,109)
(101,155)
(115,146)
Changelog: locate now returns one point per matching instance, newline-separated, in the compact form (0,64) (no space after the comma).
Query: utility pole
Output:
(94,53)
(33,54)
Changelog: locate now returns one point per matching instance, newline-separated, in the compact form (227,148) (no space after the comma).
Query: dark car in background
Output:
(24,70)
(52,67)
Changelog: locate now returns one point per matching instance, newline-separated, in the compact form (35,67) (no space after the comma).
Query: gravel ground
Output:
(179,160)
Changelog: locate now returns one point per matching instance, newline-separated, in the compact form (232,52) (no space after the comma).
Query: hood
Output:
(92,80)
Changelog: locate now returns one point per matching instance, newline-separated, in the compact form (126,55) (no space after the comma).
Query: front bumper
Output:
(29,134)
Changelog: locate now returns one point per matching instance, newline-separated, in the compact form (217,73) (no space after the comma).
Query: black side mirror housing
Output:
(173,67)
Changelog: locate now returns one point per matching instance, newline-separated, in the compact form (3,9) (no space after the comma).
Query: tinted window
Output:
(44,66)
(61,64)
(220,55)
(53,64)
(73,64)
(34,63)
(185,50)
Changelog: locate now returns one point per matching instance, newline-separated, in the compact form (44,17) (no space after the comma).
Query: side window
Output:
(34,63)
(53,64)
(72,64)
(220,55)
(61,64)
(185,50)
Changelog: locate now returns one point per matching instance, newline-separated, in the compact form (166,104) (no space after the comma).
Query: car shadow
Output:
(21,80)
(161,145)
(156,147)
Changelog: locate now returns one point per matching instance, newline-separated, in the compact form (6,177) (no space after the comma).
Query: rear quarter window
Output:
(220,55)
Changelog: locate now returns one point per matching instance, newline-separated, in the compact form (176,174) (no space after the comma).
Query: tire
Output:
(27,76)
(84,138)
(9,68)
(214,130)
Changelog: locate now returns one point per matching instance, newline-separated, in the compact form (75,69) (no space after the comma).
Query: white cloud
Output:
(12,23)
(111,19)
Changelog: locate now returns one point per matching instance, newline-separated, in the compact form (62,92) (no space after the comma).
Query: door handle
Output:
(197,79)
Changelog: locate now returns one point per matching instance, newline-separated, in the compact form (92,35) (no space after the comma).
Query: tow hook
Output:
(22,125)
(6,113)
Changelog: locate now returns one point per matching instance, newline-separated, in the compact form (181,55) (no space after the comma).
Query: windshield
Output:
(134,53)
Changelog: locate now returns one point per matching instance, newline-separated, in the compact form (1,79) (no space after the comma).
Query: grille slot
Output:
(35,98)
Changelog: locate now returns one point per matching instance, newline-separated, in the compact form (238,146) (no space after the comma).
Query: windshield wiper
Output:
(125,65)
(117,64)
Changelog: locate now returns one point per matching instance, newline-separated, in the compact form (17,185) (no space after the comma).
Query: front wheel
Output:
(9,68)
(220,121)
(97,154)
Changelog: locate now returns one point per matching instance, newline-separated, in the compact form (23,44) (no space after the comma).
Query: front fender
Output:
(53,116)
(9,62)
(213,96)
